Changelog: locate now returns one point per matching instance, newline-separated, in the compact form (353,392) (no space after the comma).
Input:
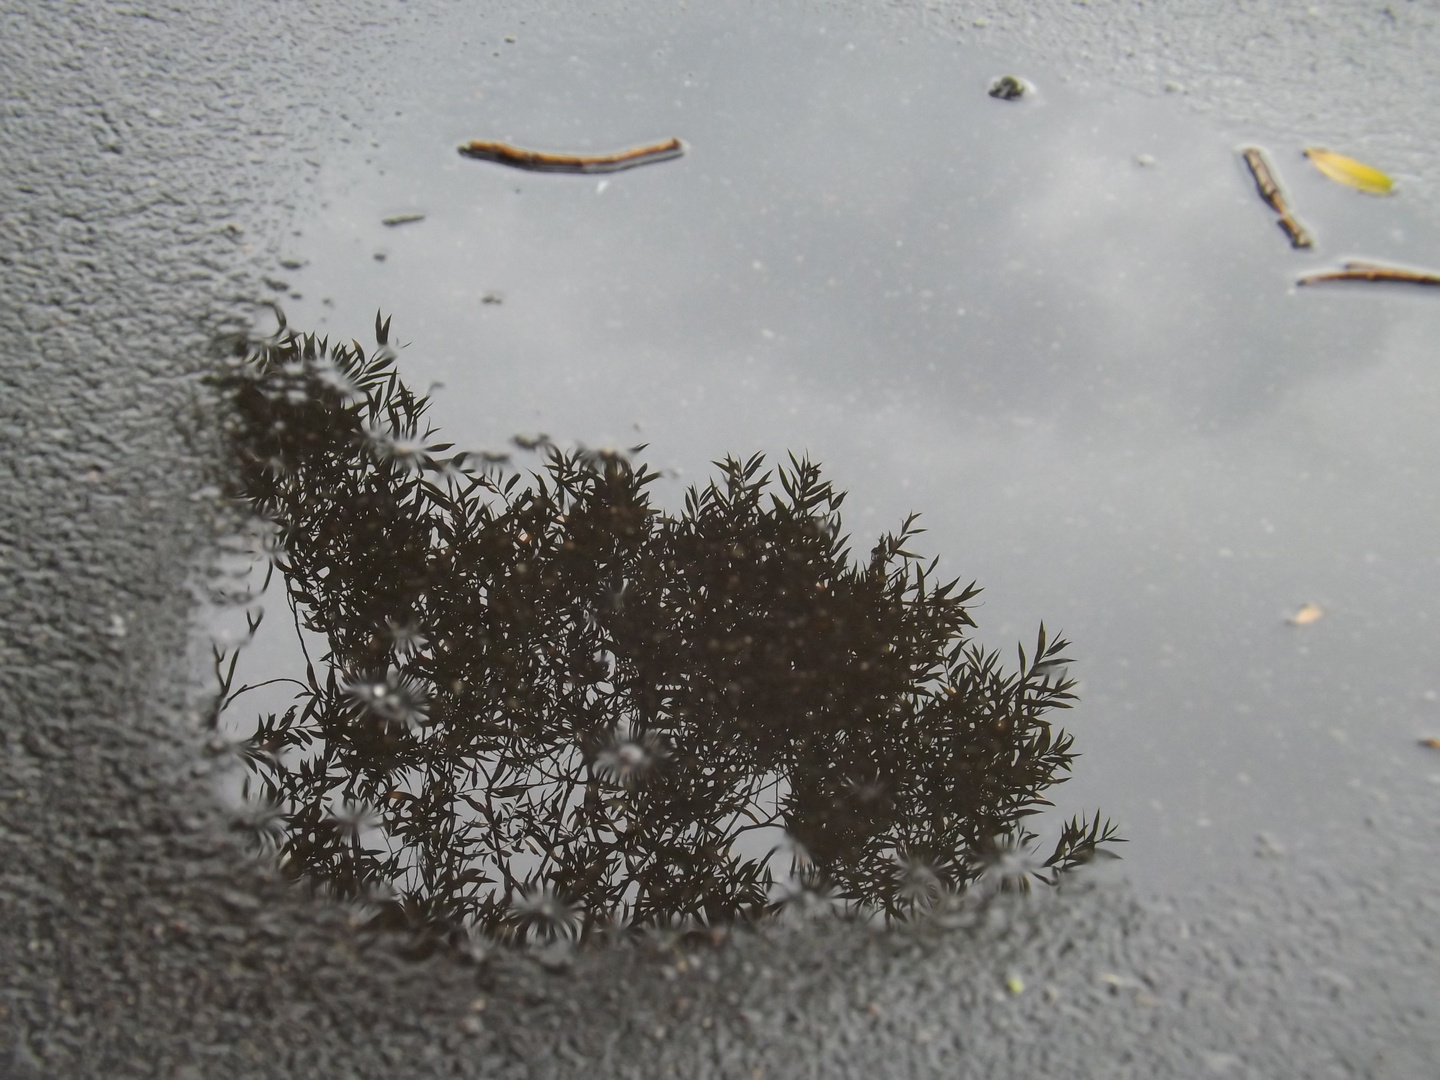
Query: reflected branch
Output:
(548,706)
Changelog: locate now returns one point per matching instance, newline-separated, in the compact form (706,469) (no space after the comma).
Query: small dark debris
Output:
(1008,88)
(379,256)
(291,264)
(277,284)
(401,219)
(492,298)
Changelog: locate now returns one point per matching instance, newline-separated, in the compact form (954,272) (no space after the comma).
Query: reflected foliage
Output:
(547,706)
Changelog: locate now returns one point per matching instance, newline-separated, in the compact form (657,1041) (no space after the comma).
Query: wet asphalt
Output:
(155,157)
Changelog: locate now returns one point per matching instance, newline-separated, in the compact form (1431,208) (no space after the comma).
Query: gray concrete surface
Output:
(137,941)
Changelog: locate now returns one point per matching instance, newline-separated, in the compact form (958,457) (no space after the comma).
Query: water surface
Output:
(1064,329)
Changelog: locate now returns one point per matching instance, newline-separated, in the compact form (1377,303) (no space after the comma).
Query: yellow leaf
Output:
(1308,614)
(1349,171)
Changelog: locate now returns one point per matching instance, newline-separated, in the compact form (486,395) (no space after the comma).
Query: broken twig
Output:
(1358,270)
(1270,191)
(541,161)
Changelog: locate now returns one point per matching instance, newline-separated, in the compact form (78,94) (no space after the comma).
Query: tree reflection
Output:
(548,706)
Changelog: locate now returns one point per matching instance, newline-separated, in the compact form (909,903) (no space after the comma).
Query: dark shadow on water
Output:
(547,707)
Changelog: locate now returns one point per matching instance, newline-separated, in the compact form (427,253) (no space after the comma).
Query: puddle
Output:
(1064,328)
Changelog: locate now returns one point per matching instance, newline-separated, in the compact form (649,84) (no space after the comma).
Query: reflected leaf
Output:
(540,914)
(1350,172)
(626,756)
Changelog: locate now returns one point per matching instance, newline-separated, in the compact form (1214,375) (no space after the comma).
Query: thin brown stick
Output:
(1359,270)
(541,161)
(1265,180)
(1270,191)
(1299,236)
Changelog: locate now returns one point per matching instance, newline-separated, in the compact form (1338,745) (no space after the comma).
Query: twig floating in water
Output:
(540,161)
(1265,180)
(1357,270)
(1270,191)
(402,219)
